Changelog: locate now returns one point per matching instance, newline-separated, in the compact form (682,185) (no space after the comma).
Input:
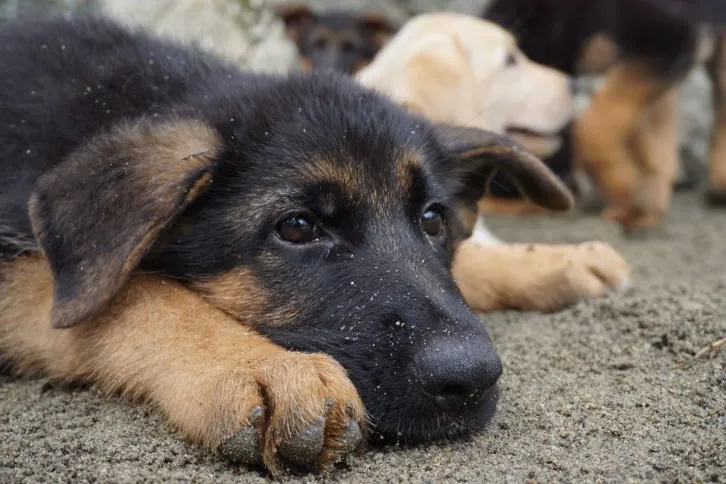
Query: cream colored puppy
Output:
(463,70)
(460,69)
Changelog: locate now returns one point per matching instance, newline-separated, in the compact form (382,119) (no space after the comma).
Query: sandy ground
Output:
(589,394)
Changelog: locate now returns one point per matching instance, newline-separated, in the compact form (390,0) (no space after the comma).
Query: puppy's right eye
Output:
(298,230)
(511,60)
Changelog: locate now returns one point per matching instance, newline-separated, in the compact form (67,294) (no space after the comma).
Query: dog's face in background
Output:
(312,209)
(338,40)
(463,70)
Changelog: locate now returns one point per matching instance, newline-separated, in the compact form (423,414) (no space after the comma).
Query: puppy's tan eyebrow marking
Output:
(327,169)
(406,161)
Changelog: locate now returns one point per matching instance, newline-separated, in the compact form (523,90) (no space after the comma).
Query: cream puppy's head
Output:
(460,69)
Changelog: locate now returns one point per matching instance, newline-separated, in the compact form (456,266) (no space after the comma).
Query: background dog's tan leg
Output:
(717,162)
(494,205)
(656,151)
(220,383)
(536,276)
(602,136)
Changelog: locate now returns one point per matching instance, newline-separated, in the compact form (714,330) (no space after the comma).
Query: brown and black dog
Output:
(627,139)
(336,39)
(264,259)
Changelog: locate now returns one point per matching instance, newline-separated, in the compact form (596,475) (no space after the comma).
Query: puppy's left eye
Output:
(511,60)
(432,222)
(298,230)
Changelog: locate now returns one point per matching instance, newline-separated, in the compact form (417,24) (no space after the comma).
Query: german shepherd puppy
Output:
(627,139)
(264,259)
(336,39)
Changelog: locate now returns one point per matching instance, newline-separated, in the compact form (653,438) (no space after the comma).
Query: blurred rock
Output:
(10,9)
(246,32)
(696,118)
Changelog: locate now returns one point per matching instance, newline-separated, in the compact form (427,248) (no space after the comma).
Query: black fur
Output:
(374,292)
(661,33)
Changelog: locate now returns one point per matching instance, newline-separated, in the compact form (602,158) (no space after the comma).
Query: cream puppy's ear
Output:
(437,81)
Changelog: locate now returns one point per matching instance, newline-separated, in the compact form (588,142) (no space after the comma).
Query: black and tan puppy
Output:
(627,139)
(336,39)
(264,259)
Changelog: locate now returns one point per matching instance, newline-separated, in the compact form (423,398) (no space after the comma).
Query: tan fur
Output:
(405,161)
(556,276)
(162,343)
(503,206)
(628,137)
(239,294)
(600,52)
(656,152)
(306,64)
(177,148)
(717,166)
(605,144)
(159,169)
(468,216)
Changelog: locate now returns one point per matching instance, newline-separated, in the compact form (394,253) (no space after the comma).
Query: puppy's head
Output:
(312,209)
(464,70)
(341,41)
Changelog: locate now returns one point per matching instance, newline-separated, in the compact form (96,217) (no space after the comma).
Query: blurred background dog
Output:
(627,139)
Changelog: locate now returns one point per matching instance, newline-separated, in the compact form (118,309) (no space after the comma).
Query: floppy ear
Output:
(378,27)
(298,20)
(481,154)
(97,213)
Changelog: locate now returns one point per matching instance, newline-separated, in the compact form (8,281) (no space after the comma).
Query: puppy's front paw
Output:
(538,277)
(588,270)
(303,413)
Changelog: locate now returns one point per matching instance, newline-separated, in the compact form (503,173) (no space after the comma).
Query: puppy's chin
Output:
(539,144)
(422,422)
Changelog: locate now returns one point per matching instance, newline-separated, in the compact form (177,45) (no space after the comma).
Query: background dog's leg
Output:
(602,136)
(221,383)
(717,163)
(536,276)
(656,148)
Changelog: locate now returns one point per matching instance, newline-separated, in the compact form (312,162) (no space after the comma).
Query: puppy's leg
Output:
(222,384)
(602,135)
(656,148)
(717,164)
(536,277)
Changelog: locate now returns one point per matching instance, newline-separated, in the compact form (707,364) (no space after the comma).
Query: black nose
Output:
(457,373)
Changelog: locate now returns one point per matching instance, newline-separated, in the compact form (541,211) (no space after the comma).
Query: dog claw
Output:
(351,437)
(244,446)
(304,448)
